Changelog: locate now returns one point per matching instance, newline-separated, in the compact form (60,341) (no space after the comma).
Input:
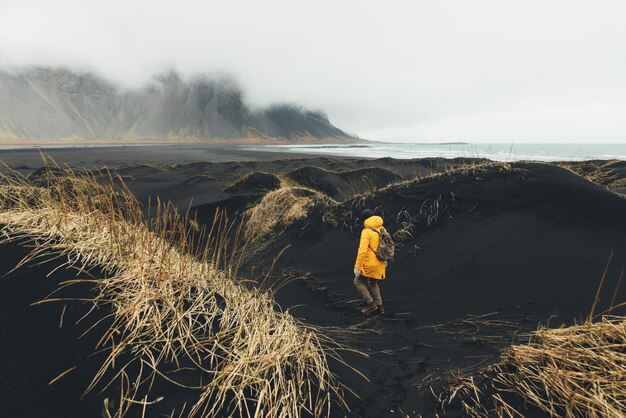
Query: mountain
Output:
(57,103)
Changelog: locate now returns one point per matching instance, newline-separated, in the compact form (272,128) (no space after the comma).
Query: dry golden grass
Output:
(577,371)
(280,208)
(598,173)
(619,183)
(366,184)
(405,230)
(477,167)
(570,372)
(173,303)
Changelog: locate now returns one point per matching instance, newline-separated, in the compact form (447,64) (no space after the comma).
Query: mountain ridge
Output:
(57,103)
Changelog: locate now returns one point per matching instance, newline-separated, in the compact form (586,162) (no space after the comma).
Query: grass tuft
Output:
(573,371)
(601,173)
(280,208)
(576,371)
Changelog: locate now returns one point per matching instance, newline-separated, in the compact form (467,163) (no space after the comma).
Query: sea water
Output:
(494,151)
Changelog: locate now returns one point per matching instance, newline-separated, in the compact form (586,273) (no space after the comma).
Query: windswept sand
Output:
(486,255)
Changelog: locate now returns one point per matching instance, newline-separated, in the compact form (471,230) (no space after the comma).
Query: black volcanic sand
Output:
(491,255)
(42,341)
(98,156)
(515,249)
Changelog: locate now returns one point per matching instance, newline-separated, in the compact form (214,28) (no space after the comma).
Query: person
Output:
(368,269)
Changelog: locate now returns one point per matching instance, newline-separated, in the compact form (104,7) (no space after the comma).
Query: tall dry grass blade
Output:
(617,287)
(595,300)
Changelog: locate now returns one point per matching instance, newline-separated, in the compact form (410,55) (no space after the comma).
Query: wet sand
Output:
(114,156)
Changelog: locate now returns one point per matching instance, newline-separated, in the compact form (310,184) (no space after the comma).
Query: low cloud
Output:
(406,70)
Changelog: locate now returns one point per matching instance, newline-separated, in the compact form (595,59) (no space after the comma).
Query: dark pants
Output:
(368,288)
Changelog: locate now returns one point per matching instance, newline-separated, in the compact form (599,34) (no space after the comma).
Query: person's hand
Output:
(357,272)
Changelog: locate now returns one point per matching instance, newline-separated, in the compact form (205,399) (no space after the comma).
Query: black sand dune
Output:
(518,248)
(342,184)
(256,181)
(484,257)
(41,342)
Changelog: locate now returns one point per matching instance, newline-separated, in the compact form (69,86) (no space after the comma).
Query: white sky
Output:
(439,70)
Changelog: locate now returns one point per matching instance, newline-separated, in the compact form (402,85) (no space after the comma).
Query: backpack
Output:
(386,247)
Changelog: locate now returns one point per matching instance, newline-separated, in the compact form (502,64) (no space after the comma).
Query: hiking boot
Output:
(381,310)
(370,307)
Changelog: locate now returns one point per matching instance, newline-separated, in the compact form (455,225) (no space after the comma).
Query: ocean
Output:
(496,152)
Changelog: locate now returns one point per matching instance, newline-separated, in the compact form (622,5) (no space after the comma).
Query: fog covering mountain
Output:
(51,103)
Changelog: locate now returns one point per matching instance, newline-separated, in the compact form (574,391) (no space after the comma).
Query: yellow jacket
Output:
(366,260)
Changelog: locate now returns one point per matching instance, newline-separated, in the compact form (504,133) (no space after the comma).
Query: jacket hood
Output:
(373,222)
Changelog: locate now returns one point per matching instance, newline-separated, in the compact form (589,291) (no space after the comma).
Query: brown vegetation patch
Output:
(577,371)
(279,208)
(611,174)
(574,371)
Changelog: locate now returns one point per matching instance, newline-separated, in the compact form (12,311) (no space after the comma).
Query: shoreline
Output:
(185,152)
(90,155)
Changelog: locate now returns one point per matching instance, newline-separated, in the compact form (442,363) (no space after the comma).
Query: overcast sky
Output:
(479,70)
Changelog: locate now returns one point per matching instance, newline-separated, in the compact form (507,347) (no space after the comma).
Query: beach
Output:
(486,252)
